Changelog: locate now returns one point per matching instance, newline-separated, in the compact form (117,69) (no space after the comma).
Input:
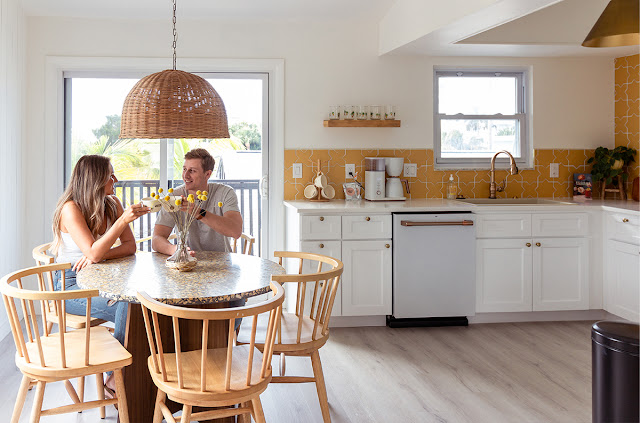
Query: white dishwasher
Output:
(434,269)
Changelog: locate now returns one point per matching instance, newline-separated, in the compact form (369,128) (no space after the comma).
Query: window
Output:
(478,113)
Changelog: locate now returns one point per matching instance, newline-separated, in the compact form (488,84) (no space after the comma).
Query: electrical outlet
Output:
(349,168)
(410,170)
(297,170)
(554,170)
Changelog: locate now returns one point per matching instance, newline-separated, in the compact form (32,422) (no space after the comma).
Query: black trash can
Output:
(614,358)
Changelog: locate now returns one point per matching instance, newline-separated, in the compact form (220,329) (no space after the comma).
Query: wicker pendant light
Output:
(173,104)
(619,25)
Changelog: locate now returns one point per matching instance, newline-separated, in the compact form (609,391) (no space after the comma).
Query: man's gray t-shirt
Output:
(201,237)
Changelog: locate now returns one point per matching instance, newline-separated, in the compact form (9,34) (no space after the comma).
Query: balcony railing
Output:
(133,191)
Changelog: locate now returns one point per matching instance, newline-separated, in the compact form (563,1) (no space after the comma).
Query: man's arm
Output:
(160,242)
(229,224)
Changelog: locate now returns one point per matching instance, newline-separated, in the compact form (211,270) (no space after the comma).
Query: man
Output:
(214,223)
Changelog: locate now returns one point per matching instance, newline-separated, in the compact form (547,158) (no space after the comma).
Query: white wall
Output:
(325,64)
(12,66)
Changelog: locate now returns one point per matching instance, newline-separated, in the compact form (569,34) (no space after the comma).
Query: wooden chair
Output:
(301,334)
(62,356)
(246,243)
(211,377)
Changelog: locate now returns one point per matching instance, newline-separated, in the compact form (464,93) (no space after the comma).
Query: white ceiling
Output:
(494,28)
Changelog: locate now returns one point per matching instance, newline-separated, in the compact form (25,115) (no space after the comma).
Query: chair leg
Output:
(186,414)
(123,412)
(320,386)
(49,326)
(283,365)
(258,414)
(157,413)
(81,389)
(100,391)
(22,395)
(37,402)
(245,417)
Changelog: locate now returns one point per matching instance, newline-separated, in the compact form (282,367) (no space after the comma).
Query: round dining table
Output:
(217,281)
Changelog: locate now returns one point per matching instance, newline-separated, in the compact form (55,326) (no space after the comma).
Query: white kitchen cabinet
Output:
(532,274)
(326,248)
(366,280)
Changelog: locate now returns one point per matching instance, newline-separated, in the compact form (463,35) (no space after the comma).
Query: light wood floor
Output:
(506,372)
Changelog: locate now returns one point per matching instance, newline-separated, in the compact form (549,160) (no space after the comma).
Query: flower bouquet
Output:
(181,260)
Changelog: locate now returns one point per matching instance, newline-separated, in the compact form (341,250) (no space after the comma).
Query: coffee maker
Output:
(393,189)
(374,179)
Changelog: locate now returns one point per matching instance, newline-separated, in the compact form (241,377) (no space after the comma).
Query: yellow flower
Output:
(153,195)
(204,198)
(167,198)
(219,203)
(157,197)
(198,192)
(170,190)
(190,199)
(160,190)
(205,193)
(178,202)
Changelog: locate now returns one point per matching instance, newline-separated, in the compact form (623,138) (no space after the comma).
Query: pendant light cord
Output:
(175,35)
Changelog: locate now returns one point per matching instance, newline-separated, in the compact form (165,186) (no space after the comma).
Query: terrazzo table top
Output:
(218,277)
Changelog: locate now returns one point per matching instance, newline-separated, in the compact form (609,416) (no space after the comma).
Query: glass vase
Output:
(181,260)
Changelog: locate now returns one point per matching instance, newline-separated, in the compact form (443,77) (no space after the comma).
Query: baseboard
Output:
(356,321)
(541,316)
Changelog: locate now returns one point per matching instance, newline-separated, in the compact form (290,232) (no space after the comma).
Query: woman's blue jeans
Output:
(116,313)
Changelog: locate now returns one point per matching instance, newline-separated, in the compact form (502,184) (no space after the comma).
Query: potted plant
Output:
(609,167)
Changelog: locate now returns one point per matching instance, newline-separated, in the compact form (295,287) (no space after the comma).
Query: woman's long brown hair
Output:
(86,189)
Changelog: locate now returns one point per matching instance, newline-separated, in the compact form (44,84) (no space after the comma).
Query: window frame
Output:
(523,116)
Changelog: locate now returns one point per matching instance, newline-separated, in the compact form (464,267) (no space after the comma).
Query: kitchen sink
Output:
(515,202)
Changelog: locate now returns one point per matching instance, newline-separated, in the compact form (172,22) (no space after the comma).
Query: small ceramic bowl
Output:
(170,205)
(152,203)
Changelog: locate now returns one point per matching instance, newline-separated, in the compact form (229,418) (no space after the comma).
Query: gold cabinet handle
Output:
(321,245)
(625,220)
(367,218)
(538,244)
(528,244)
(321,218)
(387,246)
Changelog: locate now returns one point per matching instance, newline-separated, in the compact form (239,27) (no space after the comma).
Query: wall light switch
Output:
(410,170)
(349,168)
(297,170)
(554,170)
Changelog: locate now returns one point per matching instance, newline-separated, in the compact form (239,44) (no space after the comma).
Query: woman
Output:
(87,221)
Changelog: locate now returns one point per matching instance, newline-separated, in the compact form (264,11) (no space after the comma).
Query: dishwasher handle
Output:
(456,223)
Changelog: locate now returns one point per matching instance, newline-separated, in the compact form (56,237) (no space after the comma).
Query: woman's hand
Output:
(81,264)
(134,211)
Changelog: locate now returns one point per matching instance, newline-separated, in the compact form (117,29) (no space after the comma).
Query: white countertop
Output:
(436,204)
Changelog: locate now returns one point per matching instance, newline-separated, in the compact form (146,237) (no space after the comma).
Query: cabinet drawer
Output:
(623,227)
(556,225)
(503,225)
(320,227)
(366,227)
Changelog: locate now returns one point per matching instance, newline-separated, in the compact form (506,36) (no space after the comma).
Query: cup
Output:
(321,181)
(170,204)
(347,112)
(363,112)
(390,112)
(152,203)
(374,112)
(328,192)
(334,112)
(310,191)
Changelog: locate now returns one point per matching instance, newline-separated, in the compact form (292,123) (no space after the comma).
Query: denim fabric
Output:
(116,313)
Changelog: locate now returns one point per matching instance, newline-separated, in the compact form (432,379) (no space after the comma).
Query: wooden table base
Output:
(140,389)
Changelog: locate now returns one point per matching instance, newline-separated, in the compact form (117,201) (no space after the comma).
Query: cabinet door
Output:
(560,274)
(504,275)
(326,248)
(366,281)
(623,280)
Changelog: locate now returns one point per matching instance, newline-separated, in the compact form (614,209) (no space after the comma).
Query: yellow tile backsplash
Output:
(432,183)
(627,107)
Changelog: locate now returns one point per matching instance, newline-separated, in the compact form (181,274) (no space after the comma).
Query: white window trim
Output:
(57,66)
(524,118)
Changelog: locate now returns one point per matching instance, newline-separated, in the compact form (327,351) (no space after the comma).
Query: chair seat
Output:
(289,333)
(215,380)
(105,354)
(73,320)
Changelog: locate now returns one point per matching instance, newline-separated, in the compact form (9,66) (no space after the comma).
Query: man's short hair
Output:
(208,162)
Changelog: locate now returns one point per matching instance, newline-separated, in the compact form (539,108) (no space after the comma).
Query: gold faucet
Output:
(492,173)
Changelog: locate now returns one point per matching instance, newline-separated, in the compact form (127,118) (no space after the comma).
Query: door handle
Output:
(263,186)
(457,223)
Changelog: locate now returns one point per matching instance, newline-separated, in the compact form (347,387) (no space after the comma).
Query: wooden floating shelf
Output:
(354,123)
